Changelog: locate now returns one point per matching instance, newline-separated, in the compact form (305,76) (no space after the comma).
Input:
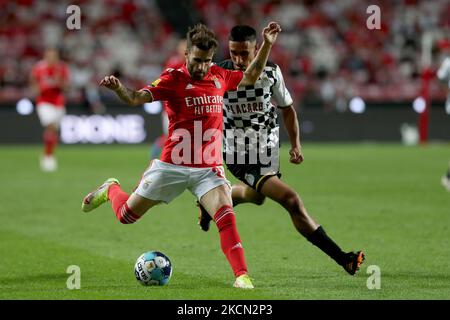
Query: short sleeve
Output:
(162,88)
(280,93)
(232,79)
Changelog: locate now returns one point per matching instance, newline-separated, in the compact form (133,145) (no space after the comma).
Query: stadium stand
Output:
(326,54)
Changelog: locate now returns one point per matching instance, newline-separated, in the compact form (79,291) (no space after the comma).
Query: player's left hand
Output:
(296,155)
(270,33)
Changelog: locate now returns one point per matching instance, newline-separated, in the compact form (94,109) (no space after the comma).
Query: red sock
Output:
(118,200)
(50,142)
(230,240)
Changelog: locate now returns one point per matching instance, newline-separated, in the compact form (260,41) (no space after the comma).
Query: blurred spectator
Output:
(126,34)
(331,56)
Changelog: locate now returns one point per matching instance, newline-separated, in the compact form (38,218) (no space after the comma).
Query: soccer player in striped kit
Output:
(250,111)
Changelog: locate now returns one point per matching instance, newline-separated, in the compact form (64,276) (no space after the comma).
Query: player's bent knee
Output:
(254,197)
(292,202)
(259,202)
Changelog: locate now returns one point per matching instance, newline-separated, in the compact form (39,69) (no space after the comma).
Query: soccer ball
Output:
(153,268)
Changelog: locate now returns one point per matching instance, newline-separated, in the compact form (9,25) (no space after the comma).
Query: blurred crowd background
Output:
(326,52)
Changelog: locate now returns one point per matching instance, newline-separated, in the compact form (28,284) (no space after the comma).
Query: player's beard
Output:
(196,75)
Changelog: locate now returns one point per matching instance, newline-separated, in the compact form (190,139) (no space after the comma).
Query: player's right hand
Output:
(110,82)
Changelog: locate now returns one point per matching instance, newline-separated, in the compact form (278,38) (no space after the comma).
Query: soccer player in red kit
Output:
(191,158)
(49,79)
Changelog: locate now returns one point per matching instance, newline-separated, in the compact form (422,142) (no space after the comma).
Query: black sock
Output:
(320,239)
(448,174)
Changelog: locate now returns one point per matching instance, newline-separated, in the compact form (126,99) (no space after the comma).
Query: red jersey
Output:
(194,108)
(49,79)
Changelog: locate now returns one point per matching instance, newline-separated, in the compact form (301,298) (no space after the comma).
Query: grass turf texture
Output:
(384,199)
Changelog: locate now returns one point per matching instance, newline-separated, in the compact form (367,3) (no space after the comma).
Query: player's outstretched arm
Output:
(291,123)
(131,97)
(256,67)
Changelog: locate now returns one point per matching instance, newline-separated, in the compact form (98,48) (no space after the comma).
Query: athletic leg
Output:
(50,117)
(217,202)
(282,193)
(50,138)
(242,193)
(128,209)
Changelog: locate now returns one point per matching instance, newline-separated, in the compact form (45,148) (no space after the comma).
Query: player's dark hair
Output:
(242,33)
(201,37)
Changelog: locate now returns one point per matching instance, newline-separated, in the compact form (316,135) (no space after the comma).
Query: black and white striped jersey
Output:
(249,109)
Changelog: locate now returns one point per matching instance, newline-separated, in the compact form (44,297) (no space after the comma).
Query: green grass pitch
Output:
(383,198)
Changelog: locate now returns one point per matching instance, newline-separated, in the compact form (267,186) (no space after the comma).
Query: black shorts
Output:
(252,175)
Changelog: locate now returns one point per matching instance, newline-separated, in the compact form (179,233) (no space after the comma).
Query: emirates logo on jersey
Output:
(205,104)
(203,100)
